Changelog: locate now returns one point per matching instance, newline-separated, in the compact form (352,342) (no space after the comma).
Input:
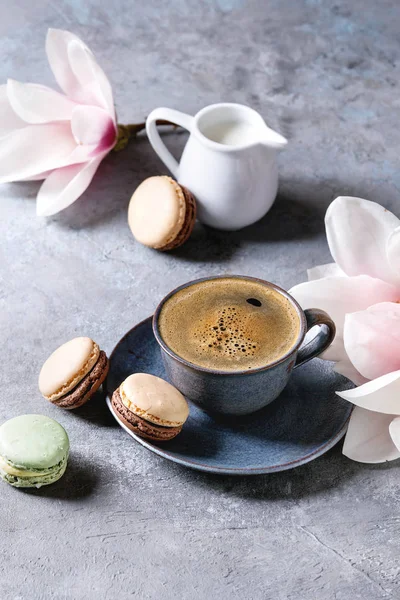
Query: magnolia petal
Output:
(393,252)
(357,231)
(368,439)
(329,270)
(372,339)
(381,394)
(341,295)
(9,121)
(64,186)
(38,103)
(91,125)
(57,42)
(91,78)
(38,177)
(345,368)
(394,430)
(35,149)
(80,154)
(77,71)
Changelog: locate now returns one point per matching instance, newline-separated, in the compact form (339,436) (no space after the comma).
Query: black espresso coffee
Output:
(229,324)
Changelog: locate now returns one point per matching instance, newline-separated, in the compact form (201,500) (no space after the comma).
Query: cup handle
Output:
(167,114)
(323,338)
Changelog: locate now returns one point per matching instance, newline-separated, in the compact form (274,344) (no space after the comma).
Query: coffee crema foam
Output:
(229,324)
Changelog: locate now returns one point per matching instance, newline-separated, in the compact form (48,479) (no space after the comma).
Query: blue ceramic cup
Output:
(243,392)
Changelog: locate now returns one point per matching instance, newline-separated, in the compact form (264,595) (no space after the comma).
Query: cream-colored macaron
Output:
(154,400)
(67,366)
(161,213)
(73,373)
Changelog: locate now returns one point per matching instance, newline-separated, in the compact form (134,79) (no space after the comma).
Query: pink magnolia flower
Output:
(361,292)
(61,138)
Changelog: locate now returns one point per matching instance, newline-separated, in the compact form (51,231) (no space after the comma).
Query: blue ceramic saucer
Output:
(303,423)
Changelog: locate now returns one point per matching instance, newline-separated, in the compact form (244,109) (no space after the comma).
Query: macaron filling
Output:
(188,224)
(181,214)
(20,477)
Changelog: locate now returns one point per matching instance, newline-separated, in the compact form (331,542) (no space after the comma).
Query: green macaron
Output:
(33,451)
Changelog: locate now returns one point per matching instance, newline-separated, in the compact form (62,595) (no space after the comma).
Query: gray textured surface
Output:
(123,523)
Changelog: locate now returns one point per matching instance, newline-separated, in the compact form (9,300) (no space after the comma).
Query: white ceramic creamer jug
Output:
(229,162)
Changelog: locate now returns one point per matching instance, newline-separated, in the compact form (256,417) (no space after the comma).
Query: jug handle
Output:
(167,114)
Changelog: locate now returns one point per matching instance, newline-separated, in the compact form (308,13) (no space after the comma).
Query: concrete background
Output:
(124,523)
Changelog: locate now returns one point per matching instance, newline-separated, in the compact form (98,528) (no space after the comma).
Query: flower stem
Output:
(126,132)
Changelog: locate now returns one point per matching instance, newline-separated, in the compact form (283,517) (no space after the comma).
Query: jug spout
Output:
(272,139)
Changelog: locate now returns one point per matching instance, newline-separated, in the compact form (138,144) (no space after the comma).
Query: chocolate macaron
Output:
(161,213)
(150,407)
(73,373)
